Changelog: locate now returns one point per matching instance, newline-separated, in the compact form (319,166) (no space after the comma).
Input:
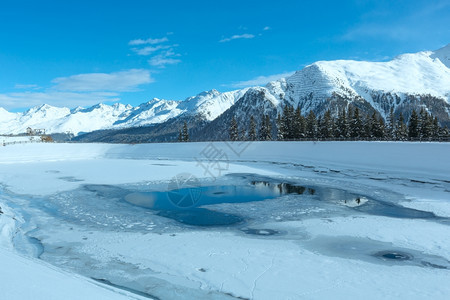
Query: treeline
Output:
(349,124)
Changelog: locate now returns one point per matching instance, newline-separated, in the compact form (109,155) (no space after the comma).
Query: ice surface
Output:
(312,240)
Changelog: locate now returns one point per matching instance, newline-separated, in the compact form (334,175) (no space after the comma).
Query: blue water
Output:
(193,197)
(187,205)
(136,207)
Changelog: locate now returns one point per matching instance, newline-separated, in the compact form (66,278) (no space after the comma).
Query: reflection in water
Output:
(191,204)
(210,195)
(187,205)
(284,188)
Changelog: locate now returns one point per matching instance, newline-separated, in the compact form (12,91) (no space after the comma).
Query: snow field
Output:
(296,264)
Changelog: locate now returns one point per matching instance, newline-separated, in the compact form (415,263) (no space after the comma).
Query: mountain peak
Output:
(445,48)
(210,93)
(44,107)
(443,54)
(76,109)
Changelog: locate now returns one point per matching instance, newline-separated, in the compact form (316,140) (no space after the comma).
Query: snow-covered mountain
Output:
(382,84)
(207,105)
(409,81)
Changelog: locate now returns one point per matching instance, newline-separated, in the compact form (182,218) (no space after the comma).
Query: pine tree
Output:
(280,132)
(342,125)
(243,135)
(425,124)
(263,129)
(269,128)
(349,116)
(436,129)
(444,133)
(180,135)
(265,132)
(378,128)
(233,130)
(326,125)
(356,125)
(381,129)
(401,129)
(302,127)
(390,126)
(319,127)
(290,123)
(311,125)
(368,126)
(185,133)
(298,124)
(252,130)
(413,125)
(286,122)
(347,122)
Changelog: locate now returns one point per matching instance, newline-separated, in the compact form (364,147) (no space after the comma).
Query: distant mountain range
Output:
(409,81)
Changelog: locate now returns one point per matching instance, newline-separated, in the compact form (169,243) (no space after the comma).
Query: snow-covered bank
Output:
(415,157)
(28,278)
(322,249)
(8,226)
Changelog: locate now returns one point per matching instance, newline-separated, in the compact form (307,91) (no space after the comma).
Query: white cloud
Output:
(149,41)
(148,50)
(237,36)
(78,90)
(165,58)
(161,61)
(266,28)
(163,55)
(114,82)
(68,99)
(260,80)
(26,86)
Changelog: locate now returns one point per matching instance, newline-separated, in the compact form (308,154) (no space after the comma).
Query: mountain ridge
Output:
(409,81)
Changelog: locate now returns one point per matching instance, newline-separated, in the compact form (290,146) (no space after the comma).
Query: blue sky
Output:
(70,53)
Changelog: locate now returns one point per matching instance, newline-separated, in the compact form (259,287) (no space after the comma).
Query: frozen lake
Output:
(164,232)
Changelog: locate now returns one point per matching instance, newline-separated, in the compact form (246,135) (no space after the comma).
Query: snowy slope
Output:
(100,116)
(211,104)
(6,115)
(423,73)
(39,117)
(154,111)
(409,73)
(382,85)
